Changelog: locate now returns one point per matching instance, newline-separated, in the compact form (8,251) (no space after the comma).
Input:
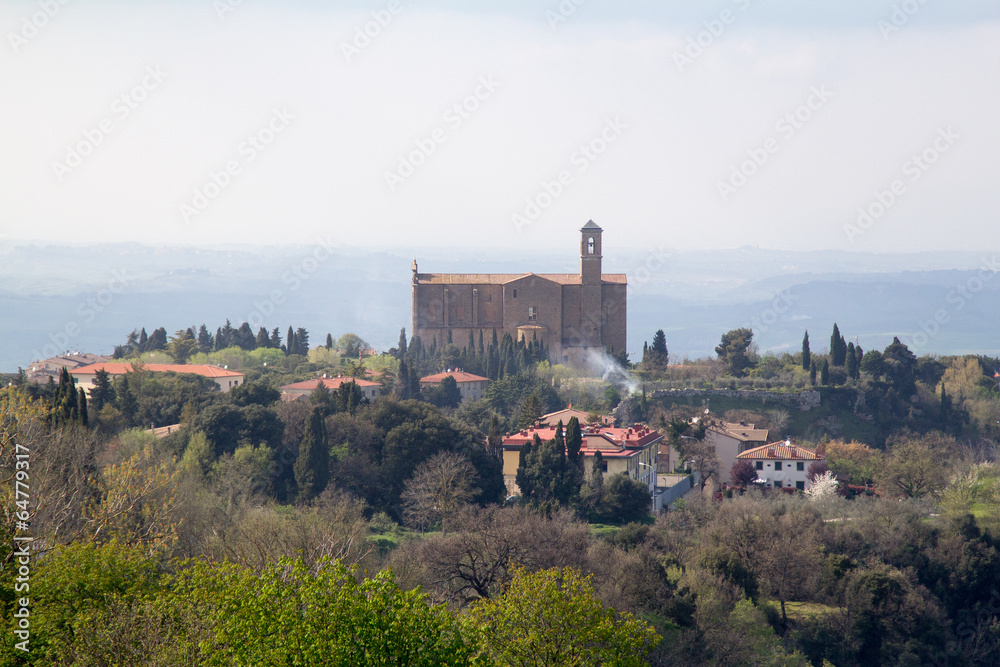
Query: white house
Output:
(782,464)
(730,439)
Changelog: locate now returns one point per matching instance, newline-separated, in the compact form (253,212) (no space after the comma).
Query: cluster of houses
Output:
(637,450)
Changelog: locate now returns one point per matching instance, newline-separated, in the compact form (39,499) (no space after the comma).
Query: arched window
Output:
(590,245)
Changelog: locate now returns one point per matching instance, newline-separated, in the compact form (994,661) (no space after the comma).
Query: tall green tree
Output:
(290,346)
(312,467)
(838,347)
(182,346)
(102,393)
(824,373)
(806,354)
(734,351)
(655,357)
(852,363)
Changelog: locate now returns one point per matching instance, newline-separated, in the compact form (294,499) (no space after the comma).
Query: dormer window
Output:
(590,245)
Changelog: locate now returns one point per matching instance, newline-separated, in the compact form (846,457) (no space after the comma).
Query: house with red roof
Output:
(369,389)
(624,450)
(471,386)
(782,464)
(224,378)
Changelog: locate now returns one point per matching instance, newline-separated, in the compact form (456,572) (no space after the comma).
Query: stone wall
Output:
(803,400)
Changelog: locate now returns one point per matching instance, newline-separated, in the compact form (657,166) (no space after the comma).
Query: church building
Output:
(572,314)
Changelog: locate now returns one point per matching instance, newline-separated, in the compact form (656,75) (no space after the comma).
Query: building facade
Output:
(472,387)
(730,439)
(574,315)
(290,392)
(225,379)
(782,465)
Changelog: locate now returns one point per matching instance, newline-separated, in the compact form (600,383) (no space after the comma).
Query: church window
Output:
(532,314)
(590,245)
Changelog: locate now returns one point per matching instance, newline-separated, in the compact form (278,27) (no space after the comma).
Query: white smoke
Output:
(603,364)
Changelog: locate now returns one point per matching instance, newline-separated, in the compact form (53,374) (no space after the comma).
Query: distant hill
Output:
(59,298)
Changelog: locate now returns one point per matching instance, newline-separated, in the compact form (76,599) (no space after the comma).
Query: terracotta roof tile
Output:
(460,377)
(780,451)
(120,368)
(329,383)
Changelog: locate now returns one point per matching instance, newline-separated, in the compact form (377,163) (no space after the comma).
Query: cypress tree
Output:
(312,467)
(812,373)
(522,478)
(403,381)
(401,345)
(838,347)
(806,354)
(290,341)
(945,409)
(143,340)
(852,362)
(275,341)
(574,441)
(127,404)
(329,341)
(597,470)
(82,401)
(482,350)
(824,373)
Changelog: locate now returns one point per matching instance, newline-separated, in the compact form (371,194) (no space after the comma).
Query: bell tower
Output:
(590,254)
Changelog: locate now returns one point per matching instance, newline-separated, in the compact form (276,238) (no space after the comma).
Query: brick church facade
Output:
(573,314)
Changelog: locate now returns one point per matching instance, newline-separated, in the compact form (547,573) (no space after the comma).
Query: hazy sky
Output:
(483,124)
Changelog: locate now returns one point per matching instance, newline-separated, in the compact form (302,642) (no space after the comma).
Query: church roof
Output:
(591,225)
(503,278)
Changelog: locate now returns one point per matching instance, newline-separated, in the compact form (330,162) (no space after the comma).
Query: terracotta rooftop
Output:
(503,278)
(460,377)
(741,431)
(781,450)
(565,415)
(120,368)
(329,383)
(613,442)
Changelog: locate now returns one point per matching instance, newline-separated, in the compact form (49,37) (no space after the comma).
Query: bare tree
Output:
(439,487)
(474,562)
